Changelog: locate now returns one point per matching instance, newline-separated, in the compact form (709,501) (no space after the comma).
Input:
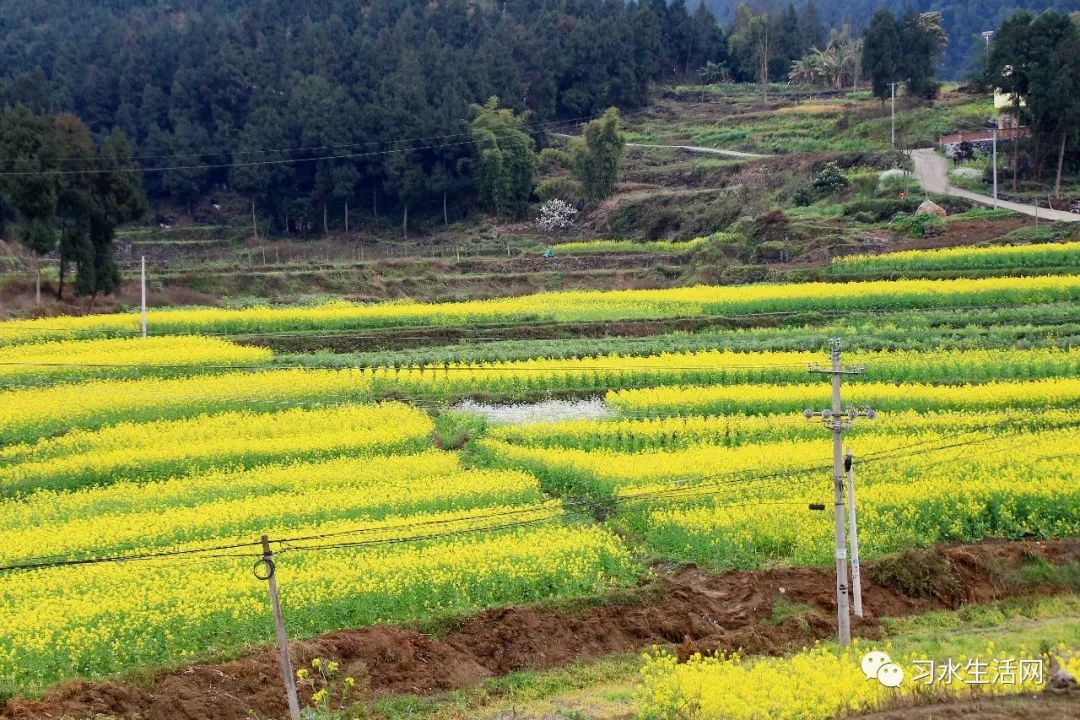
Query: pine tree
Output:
(882,54)
(813,34)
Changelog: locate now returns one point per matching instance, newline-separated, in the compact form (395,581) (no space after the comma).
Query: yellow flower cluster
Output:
(103,618)
(144,451)
(589,247)
(947,496)
(725,399)
(815,684)
(745,503)
(574,305)
(1057,255)
(124,357)
(32,413)
(243,504)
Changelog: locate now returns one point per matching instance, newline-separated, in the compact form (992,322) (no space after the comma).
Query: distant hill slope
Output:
(965,20)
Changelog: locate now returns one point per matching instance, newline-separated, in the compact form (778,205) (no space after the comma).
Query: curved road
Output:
(931,168)
(933,172)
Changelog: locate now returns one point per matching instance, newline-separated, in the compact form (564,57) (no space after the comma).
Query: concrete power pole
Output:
(893,88)
(853,537)
(839,421)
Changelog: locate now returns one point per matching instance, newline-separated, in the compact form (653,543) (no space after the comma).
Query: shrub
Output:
(558,187)
(829,180)
(802,196)
(896,181)
(772,250)
(968,173)
(923,224)
(865,183)
(881,209)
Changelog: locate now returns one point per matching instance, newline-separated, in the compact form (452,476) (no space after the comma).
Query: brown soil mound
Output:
(686,607)
(1045,706)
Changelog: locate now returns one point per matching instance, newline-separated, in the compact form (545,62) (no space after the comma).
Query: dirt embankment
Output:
(688,608)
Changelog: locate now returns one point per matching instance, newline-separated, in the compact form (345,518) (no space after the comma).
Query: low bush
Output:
(922,224)
(562,188)
(880,210)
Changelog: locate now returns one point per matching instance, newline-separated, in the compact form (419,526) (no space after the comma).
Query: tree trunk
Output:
(1038,154)
(346,216)
(325,223)
(288,230)
(445,216)
(405,223)
(1016,158)
(374,201)
(63,271)
(37,279)
(765,69)
(1061,164)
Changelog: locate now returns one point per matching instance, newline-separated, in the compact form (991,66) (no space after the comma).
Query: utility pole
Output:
(853,537)
(994,127)
(839,421)
(266,564)
(892,86)
(142,283)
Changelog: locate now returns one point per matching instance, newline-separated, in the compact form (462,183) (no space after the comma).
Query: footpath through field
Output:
(708,151)
(688,148)
(933,172)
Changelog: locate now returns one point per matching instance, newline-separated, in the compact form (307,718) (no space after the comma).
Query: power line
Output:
(309,148)
(253,163)
(736,478)
(679,488)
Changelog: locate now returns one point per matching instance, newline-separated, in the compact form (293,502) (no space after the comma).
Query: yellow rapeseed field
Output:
(723,399)
(29,414)
(570,305)
(815,684)
(144,451)
(121,357)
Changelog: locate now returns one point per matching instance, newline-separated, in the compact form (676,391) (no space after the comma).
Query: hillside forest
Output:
(313,114)
(307,108)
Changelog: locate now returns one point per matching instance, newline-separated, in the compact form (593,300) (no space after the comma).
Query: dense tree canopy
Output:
(63,191)
(906,49)
(963,20)
(1036,60)
(307,107)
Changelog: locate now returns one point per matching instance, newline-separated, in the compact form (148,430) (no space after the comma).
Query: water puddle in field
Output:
(546,411)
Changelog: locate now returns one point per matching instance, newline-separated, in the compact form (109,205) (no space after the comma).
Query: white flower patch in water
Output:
(546,411)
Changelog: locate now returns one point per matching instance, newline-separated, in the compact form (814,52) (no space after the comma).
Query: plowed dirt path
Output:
(691,609)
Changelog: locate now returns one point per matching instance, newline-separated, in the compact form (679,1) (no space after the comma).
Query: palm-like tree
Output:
(712,74)
(837,66)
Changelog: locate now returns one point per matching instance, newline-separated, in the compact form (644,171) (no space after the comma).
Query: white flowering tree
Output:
(556,216)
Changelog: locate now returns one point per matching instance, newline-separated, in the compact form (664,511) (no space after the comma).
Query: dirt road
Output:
(933,172)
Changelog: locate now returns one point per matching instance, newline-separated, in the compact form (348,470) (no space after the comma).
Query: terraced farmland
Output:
(137,475)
